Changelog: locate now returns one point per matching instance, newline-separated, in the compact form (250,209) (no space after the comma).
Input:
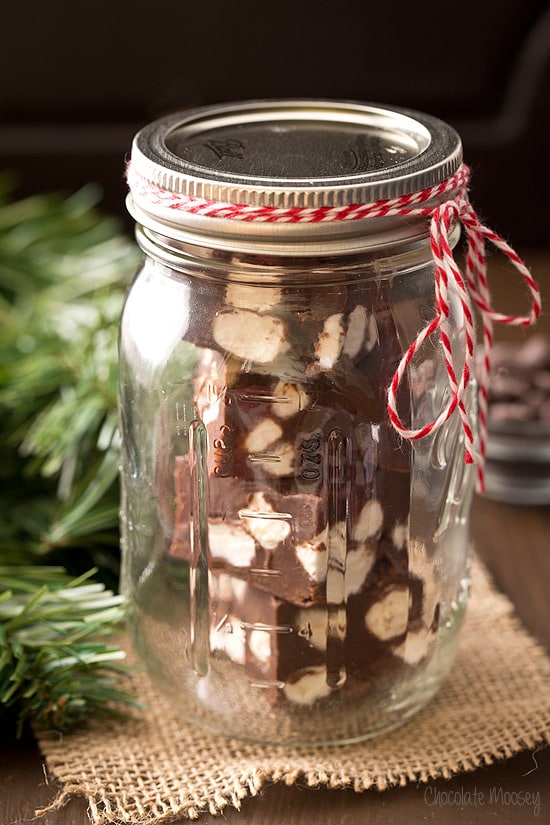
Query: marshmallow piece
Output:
(296,399)
(252,337)
(284,465)
(229,639)
(226,588)
(263,434)
(210,385)
(400,535)
(372,336)
(268,532)
(313,557)
(254,298)
(231,543)
(415,647)
(370,521)
(355,334)
(310,685)
(330,341)
(259,644)
(388,617)
(359,562)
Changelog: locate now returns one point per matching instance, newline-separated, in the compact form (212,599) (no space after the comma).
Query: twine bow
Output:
(472,288)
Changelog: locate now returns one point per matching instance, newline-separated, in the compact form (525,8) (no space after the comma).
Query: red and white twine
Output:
(472,287)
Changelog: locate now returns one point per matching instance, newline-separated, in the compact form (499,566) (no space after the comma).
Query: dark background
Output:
(77,80)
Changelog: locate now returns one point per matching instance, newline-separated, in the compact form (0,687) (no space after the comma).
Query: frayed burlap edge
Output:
(156,768)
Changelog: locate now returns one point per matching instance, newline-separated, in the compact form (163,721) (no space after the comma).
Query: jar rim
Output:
(296,153)
(311,159)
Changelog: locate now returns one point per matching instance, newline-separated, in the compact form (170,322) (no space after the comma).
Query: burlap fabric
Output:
(157,768)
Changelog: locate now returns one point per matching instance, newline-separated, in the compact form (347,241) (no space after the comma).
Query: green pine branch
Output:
(64,271)
(56,665)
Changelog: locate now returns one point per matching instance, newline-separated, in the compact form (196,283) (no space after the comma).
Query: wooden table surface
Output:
(515,543)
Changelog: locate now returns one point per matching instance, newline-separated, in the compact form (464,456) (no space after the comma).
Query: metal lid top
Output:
(286,153)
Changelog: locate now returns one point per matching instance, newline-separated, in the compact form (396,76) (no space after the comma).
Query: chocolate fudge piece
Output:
(284,543)
(308,491)
(287,649)
(275,542)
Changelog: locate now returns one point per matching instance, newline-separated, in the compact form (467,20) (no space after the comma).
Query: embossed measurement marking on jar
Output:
(261,627)
(338,448)
(267,683)
(215,392)
(223,452)
(264,458)
(311,457)
(262,571)
(268,628)
(174,395)
(198,539)
(264,514)
(268,515)
(221,622)
(260,398)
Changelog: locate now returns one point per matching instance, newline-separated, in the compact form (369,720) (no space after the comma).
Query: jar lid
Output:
(286,154)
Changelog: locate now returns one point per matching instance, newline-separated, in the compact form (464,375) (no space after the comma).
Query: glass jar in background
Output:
(296,571)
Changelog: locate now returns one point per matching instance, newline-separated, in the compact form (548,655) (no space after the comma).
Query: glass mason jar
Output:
(296,571)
